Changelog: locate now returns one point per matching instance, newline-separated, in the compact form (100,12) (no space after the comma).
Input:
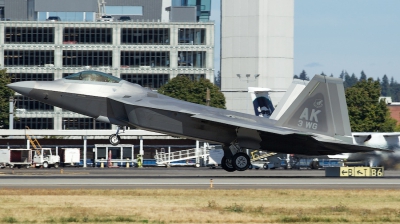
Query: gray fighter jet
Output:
(310,126)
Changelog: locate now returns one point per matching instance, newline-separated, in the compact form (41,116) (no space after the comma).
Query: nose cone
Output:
(22,87)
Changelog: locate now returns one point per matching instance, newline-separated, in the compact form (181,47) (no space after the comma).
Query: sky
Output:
(335,35)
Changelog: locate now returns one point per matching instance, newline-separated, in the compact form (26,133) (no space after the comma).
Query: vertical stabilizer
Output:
(320,108)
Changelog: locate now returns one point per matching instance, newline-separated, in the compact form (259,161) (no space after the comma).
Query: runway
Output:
(187,178)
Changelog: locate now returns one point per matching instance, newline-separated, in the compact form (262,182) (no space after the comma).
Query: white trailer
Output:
(44,157)
(71,156)
(15,158)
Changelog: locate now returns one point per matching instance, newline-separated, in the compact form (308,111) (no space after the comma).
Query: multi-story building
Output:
(162,40)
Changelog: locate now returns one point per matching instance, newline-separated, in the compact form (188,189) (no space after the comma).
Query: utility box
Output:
(15,158)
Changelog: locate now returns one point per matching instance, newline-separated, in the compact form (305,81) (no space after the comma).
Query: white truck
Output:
(15,158)
(44,157)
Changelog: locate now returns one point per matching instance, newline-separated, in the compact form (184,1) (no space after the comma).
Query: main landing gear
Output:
(235,159)
(114,138)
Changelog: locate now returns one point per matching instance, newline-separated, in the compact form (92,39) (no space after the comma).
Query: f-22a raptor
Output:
(312,125)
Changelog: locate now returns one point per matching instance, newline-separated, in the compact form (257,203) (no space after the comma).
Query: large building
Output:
(257,49)
(164,39)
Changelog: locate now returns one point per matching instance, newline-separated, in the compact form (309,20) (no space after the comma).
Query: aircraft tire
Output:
(241,161)
(114,139)
(226,164)
(265,166)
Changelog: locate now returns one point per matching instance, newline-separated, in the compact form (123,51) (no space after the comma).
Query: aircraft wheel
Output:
(114,139)
(265,166)
(241,161)
(227,164)
(45,165)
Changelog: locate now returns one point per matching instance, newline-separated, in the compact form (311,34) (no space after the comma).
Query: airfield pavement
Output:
(187,178)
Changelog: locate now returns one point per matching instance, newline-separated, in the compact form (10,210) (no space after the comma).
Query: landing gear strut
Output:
(235,159)
(114,138)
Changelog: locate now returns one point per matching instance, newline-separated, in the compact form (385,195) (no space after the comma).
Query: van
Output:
(125,19)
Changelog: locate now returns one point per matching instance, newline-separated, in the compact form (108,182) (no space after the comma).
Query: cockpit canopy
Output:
(93,76)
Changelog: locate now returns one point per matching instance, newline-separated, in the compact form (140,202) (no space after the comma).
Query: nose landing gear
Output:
(114,138)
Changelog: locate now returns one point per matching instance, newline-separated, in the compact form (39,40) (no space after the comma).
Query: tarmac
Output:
(188,178)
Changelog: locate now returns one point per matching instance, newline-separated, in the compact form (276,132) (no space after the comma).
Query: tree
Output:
(363,76)
(350,81)
(342,74)
(323,74)
(181,87)
(303,76)
(296,77)
(366,113)
(5,94)
(385,86)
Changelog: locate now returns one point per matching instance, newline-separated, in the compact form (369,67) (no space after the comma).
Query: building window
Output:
(83,123)
(144,59)
(74,35)
(124,10)
(153,81)
(67,16)
(195,59)
(23,103)
(34,123)
(192,36)
(18,77)
(27,58)
(87,59)
(28,35)
(147,36)
(194,77)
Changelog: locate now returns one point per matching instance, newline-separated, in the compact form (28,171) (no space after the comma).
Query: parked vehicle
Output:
(106,18)
(124,19)
(15,158)
(44,157)
(53,19)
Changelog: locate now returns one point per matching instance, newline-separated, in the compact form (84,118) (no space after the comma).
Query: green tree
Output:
(303,76)
(366,113)
(363,76)
(385,86)
(350,81)
(343,74)
(5,94)
(181,87)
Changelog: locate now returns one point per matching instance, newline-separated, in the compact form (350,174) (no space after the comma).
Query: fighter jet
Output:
(310,126)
